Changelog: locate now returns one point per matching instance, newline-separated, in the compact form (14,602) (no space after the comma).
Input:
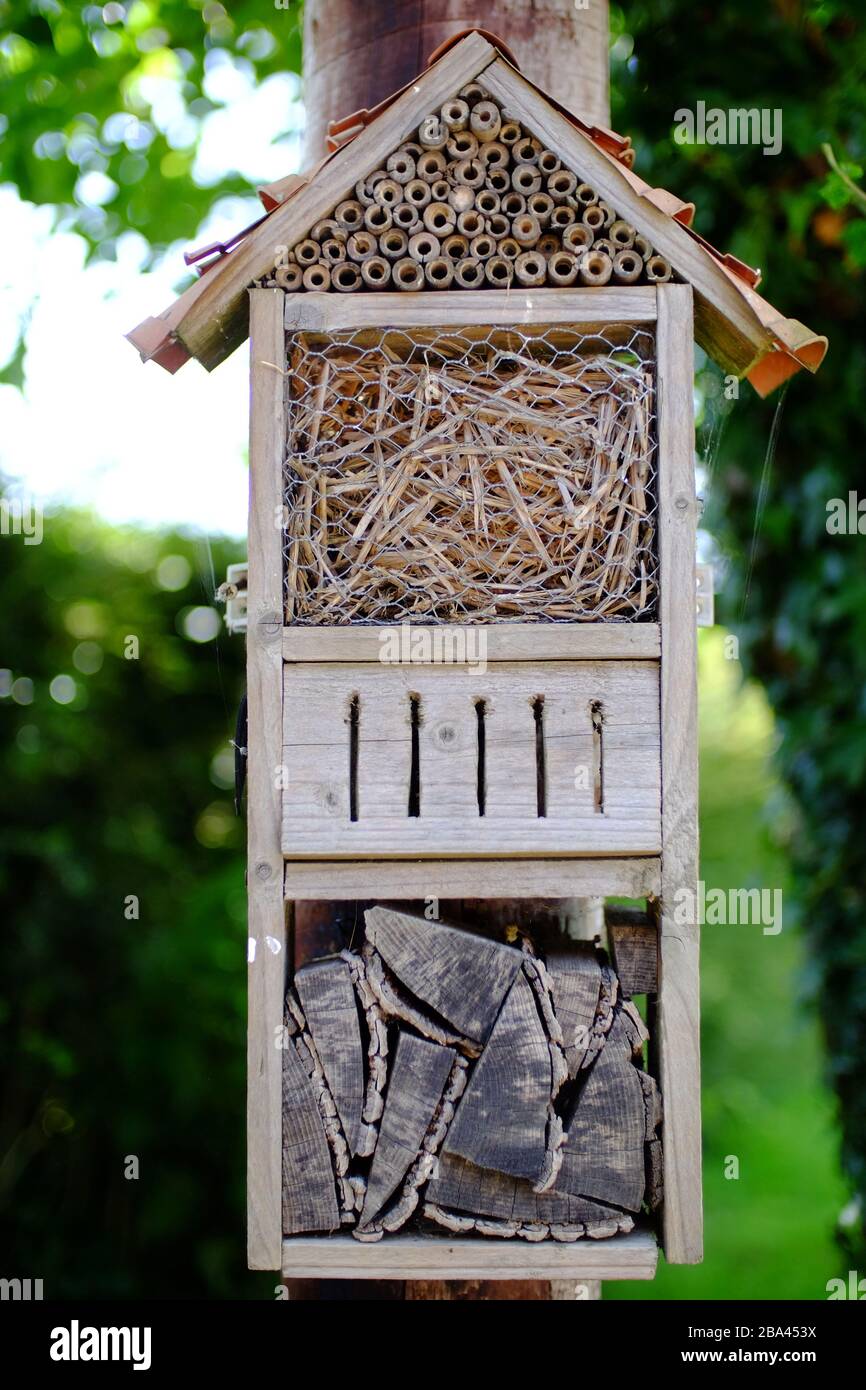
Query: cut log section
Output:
(327,994)
(463,977)
(575,982)
(634,945)
(419,1073)
(501,1122)
(309,1187)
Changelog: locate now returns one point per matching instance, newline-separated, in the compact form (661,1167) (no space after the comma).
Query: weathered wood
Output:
(678,1028)
(635,955)
(575,977)
(603,1158)
(266,971)
(309,1198)
(419,1072)
(501,1122)
(463,977)
(407,1256)
(328,997)
(504,642)
(336,881)
(464,1187)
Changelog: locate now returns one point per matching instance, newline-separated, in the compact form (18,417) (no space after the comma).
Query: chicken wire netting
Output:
(471,476)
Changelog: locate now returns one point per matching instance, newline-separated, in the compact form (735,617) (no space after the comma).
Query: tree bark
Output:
(356,52)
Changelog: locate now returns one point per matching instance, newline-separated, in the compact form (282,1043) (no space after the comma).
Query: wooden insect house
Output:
(470,617)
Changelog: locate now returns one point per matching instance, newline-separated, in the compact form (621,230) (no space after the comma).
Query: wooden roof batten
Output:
(739,329)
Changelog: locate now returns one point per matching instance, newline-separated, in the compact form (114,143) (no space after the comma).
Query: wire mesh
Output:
(480,475)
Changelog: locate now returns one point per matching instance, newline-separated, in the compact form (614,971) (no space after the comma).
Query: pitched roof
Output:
(739,329)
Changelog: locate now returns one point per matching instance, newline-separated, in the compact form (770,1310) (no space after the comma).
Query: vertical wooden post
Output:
(267,933)
(678,1025)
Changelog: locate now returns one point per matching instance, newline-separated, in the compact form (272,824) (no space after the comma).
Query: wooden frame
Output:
(503,642)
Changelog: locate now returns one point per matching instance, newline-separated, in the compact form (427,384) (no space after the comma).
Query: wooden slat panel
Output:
(341,881)
(385,746)
(632,1256)
(267,952)
(503,642)
(630,822)
(678,1028)
(448,748)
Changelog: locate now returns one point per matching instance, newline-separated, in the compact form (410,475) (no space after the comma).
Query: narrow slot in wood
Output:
(481,715)
(415,768)
(540,765)
(596,714)
(354,728)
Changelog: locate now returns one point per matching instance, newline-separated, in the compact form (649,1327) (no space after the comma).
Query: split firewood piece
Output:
(309,1188)
(299,1037)
(634,946)
(420,1071)
(654,1166)
(604,1155)
(463,977)
(425,1164)
(327,994)
(575,983)
(467,1189)
(377,1055)
(502,1121)
(536,972)
(395,1003)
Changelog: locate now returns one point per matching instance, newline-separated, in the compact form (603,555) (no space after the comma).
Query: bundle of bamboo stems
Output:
(447,477)
(473,201)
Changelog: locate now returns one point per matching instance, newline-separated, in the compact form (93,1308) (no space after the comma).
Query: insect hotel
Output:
(470,618)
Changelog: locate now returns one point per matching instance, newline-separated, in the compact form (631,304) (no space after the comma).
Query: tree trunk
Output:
(356,52)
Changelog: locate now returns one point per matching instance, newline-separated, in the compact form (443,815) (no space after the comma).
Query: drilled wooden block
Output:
(390,761)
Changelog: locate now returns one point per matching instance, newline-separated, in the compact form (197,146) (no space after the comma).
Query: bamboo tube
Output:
(499,180)
(470,223)
(333,251)
(455,247)
(530,268)
(497,225)
(394,244)
(499,272)
(455,114)
(406,217)
(289,277)
(548,162)
(363,193)
(561,185)
(407,275)
(462,198)
(482,247)
(577,237)
(658,270)
(401,167)
(593,217)
(585,195)
(513,204)
(526,150)
(510,132)
(541,206)
(485,120)
(439,273)
(494,155)
(317,277)
(595,268)
(346,277)
(526,178)
(413,149)
(432,134)
(377,218)
(417,192)
(361,245)
(605,246)
(439,218)
(462,145)
(469,273)
(326,228)
(562,268)
(609,214)
(622,234)
(376,272)
(423,247)
(469,172)
(440,191)
(643,247)
(431,165)
(525,229)
(627,267)
(307,252)
(472,93)
(563,216)
(349,214)
(509,248)
(487,201)
(548,244)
